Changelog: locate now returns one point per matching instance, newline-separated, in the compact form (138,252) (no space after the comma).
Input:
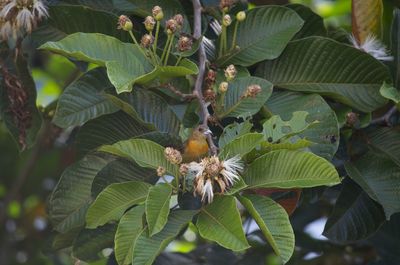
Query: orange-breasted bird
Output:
(196,145)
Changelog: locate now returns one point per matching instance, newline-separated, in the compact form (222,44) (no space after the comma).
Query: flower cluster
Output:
(18,17)
(214,176)
(148,42)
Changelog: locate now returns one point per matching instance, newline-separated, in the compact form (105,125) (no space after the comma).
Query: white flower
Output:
(214,176)
(40,9)
(372,46)
(25,19)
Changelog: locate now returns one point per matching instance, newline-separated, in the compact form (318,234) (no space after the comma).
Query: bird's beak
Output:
(208,132)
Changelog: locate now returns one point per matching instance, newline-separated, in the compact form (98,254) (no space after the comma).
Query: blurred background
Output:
(27,178)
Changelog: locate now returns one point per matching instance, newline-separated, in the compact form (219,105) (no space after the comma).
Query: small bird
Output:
(196,145)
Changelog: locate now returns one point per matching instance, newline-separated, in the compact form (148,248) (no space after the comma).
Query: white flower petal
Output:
(208,192)
(373,46)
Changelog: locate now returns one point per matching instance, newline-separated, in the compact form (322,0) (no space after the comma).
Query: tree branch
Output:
(385,119)
(202,65)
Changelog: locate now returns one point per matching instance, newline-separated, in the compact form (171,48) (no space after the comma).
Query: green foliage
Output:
(157,207)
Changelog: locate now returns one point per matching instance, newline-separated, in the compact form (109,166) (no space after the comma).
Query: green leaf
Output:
(220,222)
(233,131)
(345,74)
(273,222)
(275,129)
(366,18)
(157,207)
(262,36)
(385,140)
(379,177)
(149,108)
(71,197)
(290,169)
(236,105)
(147,248)
(124,62)
(355,216)
(313,23)
(390,92)
(18,108)
(129,228)
(242,145)
(122,170)
(144,152)
(84,100)
(114,200)
(90,242)
(65,19)
(325,133)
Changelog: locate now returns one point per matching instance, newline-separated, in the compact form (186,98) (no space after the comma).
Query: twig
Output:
(202,65)
(176,91)
(385,119)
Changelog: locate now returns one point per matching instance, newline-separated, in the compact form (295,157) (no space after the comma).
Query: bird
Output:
(196,146)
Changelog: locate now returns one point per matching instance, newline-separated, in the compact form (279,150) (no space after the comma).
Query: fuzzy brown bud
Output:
(226,20)
(209,95)
(173,155)
(147,40)
(211,75)
(184,169)
(125,23)
(352,119)
(224,5)
(161,171)
(240,16)
(252,91)
(223,87)
(230,72)
(179,20)
(149,23)
(171,25)
(158,13)
(184,44)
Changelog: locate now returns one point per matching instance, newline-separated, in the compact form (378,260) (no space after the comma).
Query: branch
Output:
(385,119)
(202,65)
(178,92)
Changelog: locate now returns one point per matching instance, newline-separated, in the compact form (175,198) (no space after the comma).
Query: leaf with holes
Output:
(241,145)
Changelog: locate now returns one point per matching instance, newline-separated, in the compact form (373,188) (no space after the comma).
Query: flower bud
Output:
(179,20)
(252,91)
(226,20)
(147,40)
(230,72)
(211,75)
(157,13)
(125,23)
(224,5)
(149,23)
(171,25)
(161,171)
(184,169)
(173,155)
(184,44)
(240,16)
(223,87)
(209,95)
(352,119)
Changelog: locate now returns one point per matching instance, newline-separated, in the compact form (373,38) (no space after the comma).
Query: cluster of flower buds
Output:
(230,72)
(185,43)
(149,23)
(173,155)
(18,17)
(252,91)
(209,81)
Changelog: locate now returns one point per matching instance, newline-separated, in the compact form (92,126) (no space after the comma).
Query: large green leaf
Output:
(379,176)
(346,74)
(355,216)
(18,108)
(325,133)
(385,140)
(124,62)
(290,169)
(122,170)
(66,19)
(129,228)
(390,92)
(90,242)
(84,100)
(275,129)
(241,145)
(220,222)
(234,131)
(273,222)
(313,23)
(114,200)
(236,105)
(144,152)
(71,197)
(263,35)
(150,108)
(157,207)
(147,248)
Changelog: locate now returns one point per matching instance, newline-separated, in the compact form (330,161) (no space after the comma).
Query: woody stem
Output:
(202,65)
